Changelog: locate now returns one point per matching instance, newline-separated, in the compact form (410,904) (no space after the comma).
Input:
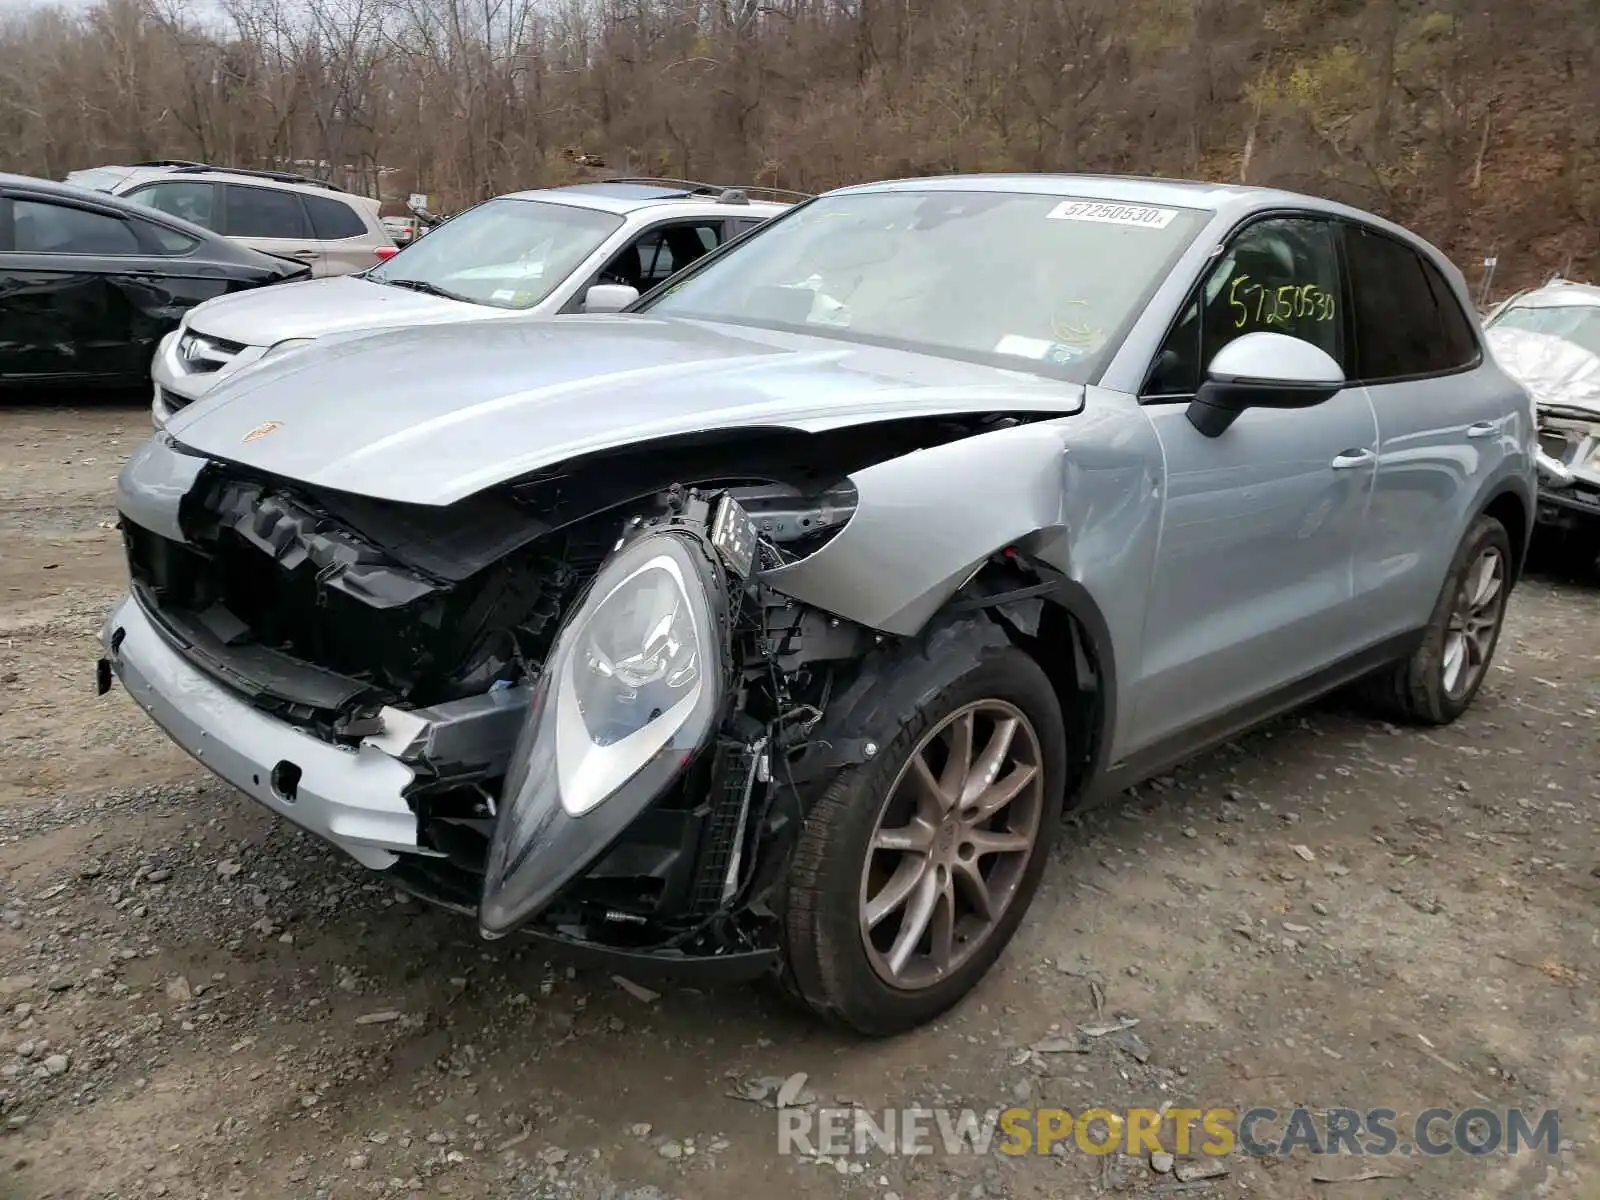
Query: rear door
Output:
(1443,427)
(272,220)
(1252,582)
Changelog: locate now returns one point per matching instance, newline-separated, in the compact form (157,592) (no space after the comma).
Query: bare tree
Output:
(1473,119)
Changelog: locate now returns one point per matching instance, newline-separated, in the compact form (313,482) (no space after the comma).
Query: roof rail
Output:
(727,193)
(168,162)
(275,176)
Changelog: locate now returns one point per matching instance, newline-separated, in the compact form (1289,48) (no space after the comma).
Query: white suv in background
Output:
(585,248)
(332,231)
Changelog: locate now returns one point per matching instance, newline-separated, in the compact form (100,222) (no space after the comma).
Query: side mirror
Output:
(1262,370)
(609,297)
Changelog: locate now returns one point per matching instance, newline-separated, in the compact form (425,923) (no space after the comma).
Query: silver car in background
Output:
(1549,339)
(590,247)
(769,627)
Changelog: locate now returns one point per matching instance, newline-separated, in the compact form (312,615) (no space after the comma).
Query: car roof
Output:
(64,191)
(51,189)
(622,198)
(1559,293)
(1125,189)
(139,173)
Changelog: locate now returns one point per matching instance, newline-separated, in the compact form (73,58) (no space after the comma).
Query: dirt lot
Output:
(197,1001)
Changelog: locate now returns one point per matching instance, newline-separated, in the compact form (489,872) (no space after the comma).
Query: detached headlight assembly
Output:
(632,690)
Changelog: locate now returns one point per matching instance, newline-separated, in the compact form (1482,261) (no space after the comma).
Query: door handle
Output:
(1483,429)
(1348,460)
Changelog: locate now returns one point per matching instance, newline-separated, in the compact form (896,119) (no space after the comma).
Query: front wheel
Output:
(913,871)
(1440,679)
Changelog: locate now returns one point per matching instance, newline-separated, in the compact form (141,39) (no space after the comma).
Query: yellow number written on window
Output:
(1284,305)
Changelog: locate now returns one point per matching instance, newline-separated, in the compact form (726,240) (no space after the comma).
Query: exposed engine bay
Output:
(432,634)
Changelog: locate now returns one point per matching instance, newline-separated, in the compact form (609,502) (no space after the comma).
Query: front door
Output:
(1251,588)
(63,309)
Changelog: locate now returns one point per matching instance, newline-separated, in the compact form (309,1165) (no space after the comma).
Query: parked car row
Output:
(90,283)
(768,626)
(86,305)
(332,231)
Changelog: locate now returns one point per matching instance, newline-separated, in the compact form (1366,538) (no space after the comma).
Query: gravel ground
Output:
(198,1001)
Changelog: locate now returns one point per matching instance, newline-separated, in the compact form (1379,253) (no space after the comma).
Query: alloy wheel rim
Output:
(952,843)
(1474,621)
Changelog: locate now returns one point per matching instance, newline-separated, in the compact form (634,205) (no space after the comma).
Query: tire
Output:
(829,965)
(1418,691)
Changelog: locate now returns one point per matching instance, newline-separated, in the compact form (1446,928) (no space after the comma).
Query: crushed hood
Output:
(316,307)
(1553,369)
(432,416)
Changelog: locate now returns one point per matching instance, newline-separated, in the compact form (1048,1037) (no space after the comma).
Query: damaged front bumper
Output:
(354,798)
(350,797)
(1569,483)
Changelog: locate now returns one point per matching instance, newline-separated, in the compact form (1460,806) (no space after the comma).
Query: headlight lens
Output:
(286,344)
(632,682)
(632,690)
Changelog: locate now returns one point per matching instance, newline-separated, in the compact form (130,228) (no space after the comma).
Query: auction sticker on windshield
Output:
(1140,215)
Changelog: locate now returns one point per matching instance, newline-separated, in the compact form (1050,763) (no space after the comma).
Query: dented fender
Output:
(911,543)
(1076,493)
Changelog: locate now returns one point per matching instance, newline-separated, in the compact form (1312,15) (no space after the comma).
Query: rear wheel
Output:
(1440,679)
(914,870)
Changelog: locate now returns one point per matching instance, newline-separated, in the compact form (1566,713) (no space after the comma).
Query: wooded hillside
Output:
(1475,121)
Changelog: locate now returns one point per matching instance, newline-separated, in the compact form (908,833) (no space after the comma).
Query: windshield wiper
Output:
(428,289)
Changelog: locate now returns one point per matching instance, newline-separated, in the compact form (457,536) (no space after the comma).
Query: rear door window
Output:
(264,213)
(1406,319)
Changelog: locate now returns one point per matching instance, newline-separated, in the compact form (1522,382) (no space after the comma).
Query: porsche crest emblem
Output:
(261,431)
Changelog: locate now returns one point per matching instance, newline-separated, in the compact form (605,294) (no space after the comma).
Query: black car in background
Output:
(90,283)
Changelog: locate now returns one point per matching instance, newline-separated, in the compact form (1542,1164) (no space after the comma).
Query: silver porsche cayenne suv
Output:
(768,627)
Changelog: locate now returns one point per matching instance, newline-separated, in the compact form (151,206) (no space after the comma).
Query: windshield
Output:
(506,253)
(1576,323)
(1020,280)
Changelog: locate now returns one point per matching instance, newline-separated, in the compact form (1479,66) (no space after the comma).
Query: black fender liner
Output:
(1079,656)
(889,686)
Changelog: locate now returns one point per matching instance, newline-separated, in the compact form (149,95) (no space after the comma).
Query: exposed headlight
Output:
(286,344)
(632,682)
(632,690)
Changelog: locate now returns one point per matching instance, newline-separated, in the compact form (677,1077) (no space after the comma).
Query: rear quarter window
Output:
(332,221)
(160,239)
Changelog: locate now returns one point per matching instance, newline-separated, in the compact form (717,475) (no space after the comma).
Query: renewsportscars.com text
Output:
(1260,1131)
